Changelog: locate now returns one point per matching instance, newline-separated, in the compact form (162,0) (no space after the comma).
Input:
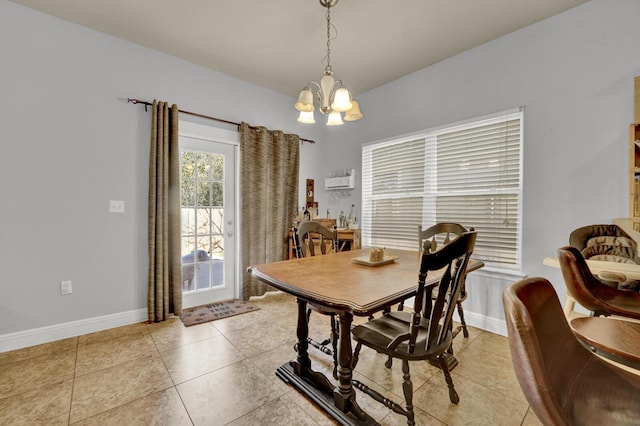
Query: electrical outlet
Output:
(116,206)
(65,287)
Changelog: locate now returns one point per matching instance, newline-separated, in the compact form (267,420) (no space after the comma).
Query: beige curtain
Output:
(269,168)
(165,275)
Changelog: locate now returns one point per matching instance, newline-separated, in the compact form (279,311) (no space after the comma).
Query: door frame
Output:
(232,138)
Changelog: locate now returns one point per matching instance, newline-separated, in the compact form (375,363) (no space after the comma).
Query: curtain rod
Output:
(146,103)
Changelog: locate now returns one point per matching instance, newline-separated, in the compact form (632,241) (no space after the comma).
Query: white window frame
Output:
(403,233)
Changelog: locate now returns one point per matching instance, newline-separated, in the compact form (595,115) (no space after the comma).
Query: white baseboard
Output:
(37,336)
(493,325)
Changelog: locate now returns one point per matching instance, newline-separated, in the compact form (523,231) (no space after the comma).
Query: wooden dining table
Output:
(334,284)
(615,339)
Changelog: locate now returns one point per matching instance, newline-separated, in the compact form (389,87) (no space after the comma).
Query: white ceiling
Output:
(281,44)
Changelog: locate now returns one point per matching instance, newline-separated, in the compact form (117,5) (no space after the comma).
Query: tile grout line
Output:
(175,386)
(73,383)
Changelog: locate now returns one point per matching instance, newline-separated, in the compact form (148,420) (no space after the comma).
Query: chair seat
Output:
(380,332)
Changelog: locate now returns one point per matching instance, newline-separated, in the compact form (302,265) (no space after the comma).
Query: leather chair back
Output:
(565,383)
(591,292)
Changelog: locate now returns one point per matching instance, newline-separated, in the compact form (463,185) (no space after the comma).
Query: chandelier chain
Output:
(328,67)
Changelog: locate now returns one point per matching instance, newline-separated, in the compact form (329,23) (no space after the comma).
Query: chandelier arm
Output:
(313,85)
(316,89)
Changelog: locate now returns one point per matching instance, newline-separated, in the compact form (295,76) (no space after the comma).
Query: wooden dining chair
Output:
(314,236)
(316,239)
(427,335)
(435,237)
(564,382)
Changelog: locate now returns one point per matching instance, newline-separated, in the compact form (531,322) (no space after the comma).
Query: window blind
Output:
(393,191)
(469,174)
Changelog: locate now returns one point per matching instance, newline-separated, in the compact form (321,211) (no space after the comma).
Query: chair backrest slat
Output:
(297,250)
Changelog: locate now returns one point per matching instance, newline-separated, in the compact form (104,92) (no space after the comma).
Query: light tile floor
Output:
(222,373)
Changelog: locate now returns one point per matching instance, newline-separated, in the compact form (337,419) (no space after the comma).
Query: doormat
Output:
(215,311)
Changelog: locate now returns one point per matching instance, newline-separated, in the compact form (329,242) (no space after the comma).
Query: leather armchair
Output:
(590,292)
(565,383)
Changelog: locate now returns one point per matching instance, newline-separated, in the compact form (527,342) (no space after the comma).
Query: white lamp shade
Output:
(305,101)
(354,113)
(341,100)
(306,117)
(335,119)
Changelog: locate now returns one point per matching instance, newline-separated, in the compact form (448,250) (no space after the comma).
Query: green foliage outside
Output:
(202,202)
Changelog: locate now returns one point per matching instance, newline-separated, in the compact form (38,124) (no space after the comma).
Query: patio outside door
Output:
(208,214)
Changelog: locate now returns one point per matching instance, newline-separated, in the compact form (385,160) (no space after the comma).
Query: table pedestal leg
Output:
(345,395)
(302,365)
(302,347)
(344,392)
(338,402)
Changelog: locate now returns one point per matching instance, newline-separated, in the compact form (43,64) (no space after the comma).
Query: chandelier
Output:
(332,97)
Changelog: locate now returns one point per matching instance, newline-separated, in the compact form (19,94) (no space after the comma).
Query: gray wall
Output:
(573,73)
(71,144)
